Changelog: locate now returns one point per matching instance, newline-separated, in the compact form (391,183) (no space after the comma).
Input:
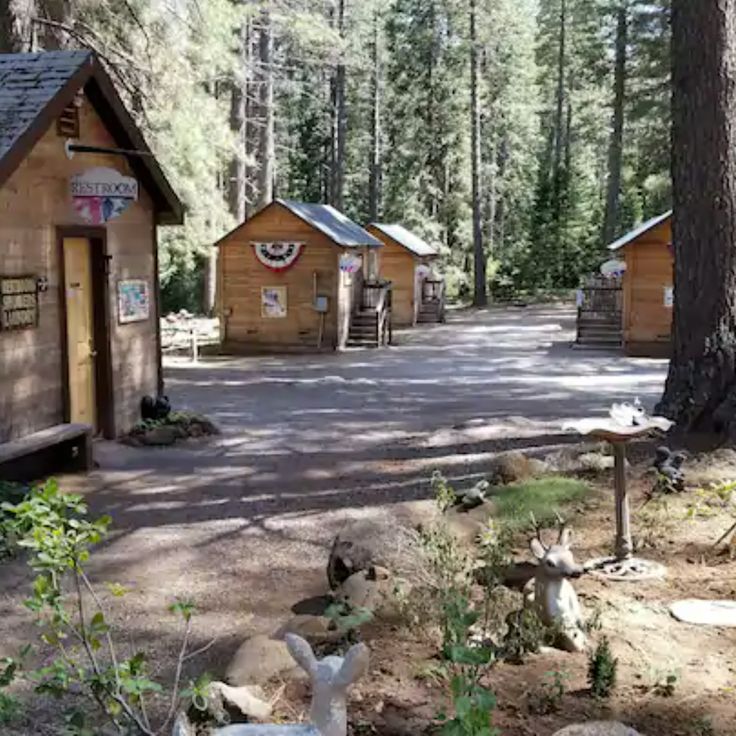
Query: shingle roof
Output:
(639,231)
(34,90)
(336,226)
(28,82)
(406,238)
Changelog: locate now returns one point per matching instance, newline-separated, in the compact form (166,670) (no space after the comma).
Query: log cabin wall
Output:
(34,202)
(647,320)
(242,277)
(398,266)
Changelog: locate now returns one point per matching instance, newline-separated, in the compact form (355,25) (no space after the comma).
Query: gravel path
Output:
(242,524)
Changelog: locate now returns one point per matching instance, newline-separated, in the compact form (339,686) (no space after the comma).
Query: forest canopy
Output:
(366,104)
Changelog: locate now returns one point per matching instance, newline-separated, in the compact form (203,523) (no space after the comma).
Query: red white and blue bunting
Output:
(278,256)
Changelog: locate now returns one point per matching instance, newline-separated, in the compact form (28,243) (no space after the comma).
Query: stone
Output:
(512,467)
(258,659)
(374,544)
(466,526)
(705,613)
(598,728)
(161,436)
(366,589)
(315,629)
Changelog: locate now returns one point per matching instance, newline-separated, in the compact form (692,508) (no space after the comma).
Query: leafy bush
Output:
(547,697)
(602,667)
(10,493)
(53,528)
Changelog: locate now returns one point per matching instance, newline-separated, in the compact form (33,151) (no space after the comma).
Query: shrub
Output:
(602,668)
(547,697)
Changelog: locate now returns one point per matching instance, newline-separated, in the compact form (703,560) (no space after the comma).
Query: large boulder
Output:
(467,526)
(598,728)
(375,544)
(258,659)
(512,467)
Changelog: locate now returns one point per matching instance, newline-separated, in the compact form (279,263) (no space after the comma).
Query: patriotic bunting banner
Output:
(278,256)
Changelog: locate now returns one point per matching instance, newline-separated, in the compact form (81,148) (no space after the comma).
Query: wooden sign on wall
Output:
(18,302)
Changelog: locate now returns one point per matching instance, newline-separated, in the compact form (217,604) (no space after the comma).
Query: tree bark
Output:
(339,120)
(559,121)
(616,150)
(238,96)
(16,25)
(265,151)
(480,297)
(374,184)
(700,393)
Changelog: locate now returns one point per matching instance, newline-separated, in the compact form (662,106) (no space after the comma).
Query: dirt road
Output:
(242,524)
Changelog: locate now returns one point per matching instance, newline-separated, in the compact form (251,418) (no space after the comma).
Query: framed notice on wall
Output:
(273,301)
(134,302)
(18,302)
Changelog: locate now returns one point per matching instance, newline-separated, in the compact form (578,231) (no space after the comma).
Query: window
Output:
(67,125)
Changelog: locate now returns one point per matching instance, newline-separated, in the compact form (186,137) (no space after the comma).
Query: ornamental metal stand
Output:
(622,566)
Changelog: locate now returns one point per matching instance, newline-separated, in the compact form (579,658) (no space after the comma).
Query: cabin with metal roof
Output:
(648,279)
(406,261)
(300,276)
(81,196)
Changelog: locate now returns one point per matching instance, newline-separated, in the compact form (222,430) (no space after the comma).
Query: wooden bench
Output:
(61,448)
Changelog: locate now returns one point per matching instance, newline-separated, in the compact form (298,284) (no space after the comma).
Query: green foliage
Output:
(442,491)
(525,635)
(54,529)
(545,498)
(665,684)
(602,667)
(348,620)
(10,493)
(547,697)
(473,704)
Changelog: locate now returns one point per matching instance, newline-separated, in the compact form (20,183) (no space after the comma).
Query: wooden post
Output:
(624,545)
(195,346)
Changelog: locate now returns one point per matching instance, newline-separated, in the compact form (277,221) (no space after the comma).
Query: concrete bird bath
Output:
(624,424)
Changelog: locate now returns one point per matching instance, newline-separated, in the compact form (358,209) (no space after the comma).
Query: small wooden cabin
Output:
(405,261)
(300,276)
(647,287)
(79,318)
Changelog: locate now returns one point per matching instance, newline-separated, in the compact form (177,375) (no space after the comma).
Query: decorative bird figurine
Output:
(473,497)
(669,467)
(628,415)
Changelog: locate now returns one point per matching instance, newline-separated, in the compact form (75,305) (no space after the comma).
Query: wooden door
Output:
(81,351)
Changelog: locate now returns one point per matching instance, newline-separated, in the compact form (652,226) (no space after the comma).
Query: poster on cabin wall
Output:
(278,256)
(134,302)
(101,194)
(273,302)
(18,302)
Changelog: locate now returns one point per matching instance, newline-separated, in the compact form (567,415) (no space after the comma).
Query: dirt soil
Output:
(243,524)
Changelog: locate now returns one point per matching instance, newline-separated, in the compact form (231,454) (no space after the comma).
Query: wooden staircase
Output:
(370,323)
(600,319)
(432,307)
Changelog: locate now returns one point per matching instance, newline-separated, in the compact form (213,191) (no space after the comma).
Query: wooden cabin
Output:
(300,276)
(647,287)
(405,260)
(79,327)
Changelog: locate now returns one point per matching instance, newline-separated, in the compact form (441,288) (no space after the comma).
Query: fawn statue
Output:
(553,594)
(330,677)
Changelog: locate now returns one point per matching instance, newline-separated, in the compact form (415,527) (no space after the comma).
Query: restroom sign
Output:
(18,302)
(100,194)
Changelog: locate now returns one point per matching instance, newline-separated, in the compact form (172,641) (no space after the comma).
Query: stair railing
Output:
(433,293)
(376,297)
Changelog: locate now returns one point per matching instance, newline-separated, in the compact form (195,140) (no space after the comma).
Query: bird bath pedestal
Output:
(623,565)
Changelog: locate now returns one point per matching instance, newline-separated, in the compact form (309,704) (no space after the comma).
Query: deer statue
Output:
(330,677)
(553,595)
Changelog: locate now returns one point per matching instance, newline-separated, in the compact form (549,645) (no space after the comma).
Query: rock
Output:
(315,629)
(598,728)
(714,467)
(466,526)
(512,467)
(375,544)
(366,589)
(594,462)
(258,659)
(705,613)
(162,436)
(473,497)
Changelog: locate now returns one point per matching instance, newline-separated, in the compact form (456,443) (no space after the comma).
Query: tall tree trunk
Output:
(374,185)
(616,150)
(16,25)
(701,386)
(480,297)
(339,120)
(238,97)
(559,121)
(265,152)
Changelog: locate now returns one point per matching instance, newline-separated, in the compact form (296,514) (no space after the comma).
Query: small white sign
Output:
(100,194)
(669,297)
